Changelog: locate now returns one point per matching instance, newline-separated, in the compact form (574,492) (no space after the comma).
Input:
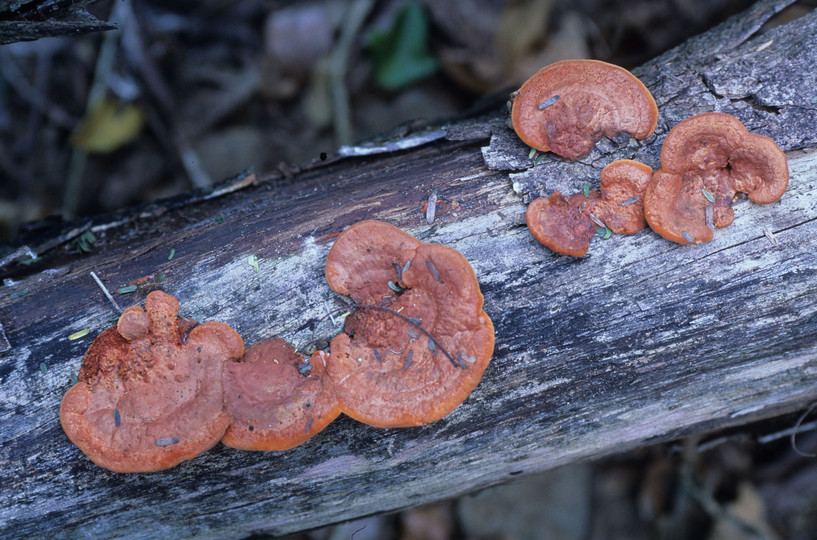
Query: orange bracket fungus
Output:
(621,205)
(417,340)
(706,161)
(567,106)
(276,398)
(566,225)
(149,394)
(560,224)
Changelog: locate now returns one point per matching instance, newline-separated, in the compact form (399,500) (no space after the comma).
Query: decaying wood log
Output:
(639,342)
(27,20)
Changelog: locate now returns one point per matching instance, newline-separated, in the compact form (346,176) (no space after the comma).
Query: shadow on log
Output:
(639,342)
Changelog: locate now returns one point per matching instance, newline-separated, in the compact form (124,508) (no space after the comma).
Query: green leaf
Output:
(252,260)
(84,242)
(82,333)
(18,294)
(126,290)
(400,54)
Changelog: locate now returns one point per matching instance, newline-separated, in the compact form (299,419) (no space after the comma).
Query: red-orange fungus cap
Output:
(149,394)
(705,161)
(569,105)
(566,225)
(417,354)
(621,205)
(560,224)
(276,398)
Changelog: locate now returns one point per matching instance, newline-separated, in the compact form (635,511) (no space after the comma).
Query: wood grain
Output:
(641,341)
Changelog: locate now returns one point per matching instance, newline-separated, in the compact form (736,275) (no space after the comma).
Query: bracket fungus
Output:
(275,398)
(149,394)
(417,340)
(621,205)
(706,160)
(566,225)
(567,106)
(560,224)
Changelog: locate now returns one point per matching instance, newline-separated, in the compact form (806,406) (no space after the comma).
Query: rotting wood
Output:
(22,20)
(639,342)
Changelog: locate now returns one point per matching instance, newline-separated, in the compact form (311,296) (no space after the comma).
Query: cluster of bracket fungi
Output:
(158,389)
(706,160)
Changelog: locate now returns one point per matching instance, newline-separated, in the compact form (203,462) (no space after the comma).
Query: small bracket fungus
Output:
(569,105)
(149,394)
(566,225)
(706,161)
(407,357)
(276,399)
(621,205)
(560,224)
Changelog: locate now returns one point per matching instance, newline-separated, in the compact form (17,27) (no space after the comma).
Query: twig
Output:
(797,428)
(338,66)
(412,322)
(714,508)
(62,239)
(105,290)
(102,70)
(163,123)
(777,435)
(14,76)
(705,499)
(17,254)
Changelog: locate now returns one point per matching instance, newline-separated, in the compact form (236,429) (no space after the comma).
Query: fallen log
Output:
(641,341)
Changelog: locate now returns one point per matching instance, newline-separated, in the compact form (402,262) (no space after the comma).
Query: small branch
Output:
(163,122)
(105,290)
(338,66)
(18,254)
(796,429)
(104,65)
(414,323)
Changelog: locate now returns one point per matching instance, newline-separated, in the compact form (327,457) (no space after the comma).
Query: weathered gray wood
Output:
(14,31)
(27,20)
(639,342)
